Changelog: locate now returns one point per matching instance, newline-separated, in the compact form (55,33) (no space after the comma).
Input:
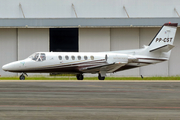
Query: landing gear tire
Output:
(79,76)
(22,77)
(100,78)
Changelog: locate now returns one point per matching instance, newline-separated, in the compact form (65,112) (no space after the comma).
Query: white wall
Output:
(88,8)
(174,62)
(94,40)
(32,40)
(8,45)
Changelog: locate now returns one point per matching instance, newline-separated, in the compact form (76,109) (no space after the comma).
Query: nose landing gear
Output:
(22,76)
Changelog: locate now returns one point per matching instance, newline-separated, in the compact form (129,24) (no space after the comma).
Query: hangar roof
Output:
(84,22)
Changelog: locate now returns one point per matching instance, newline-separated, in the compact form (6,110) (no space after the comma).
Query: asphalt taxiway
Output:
(89,100)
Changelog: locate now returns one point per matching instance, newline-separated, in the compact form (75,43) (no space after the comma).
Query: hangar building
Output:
(28,26)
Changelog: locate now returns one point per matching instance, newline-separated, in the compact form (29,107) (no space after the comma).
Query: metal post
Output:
(176,12)
(21,9)
(125,11)
(74,10)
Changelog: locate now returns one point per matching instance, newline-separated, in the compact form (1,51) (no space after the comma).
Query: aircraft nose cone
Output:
(5,67)
(13,66)
(9,66)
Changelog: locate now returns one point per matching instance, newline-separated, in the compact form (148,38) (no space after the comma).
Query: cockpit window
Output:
(38,57)
(35,57)
(43,56)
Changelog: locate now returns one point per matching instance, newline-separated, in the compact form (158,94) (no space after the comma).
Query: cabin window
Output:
(106,57)
(85,57)
(67,57)
(60,57)
(72,57)
(92,57)
(79,57)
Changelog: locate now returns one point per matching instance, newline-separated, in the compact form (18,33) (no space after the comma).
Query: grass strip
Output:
(90,78)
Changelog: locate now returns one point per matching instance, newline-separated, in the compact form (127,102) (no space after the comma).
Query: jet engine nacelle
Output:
(132,59)
(117,58)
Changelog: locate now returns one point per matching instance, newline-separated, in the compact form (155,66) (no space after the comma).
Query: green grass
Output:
(90,78)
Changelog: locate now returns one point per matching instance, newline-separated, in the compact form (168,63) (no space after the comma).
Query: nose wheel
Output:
(22,77)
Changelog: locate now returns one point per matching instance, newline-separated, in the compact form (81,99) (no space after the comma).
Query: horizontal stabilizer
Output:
(164,48)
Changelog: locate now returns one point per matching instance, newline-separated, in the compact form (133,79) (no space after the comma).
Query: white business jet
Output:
(158,50)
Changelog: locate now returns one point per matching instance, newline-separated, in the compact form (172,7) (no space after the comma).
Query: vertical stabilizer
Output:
(162,43)
(164,37)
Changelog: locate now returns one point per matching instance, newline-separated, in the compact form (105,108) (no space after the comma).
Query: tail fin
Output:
(163,41)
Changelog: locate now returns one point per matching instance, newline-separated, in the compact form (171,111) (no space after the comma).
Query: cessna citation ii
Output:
(158,50)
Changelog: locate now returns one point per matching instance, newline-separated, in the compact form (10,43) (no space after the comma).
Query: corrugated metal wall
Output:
(32,40)
(8,46)
(88,8)
(94,40)
(174,65)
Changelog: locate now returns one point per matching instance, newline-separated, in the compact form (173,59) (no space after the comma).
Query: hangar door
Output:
(64,40)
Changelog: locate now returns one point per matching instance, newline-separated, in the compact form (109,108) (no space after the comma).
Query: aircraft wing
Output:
(105,67)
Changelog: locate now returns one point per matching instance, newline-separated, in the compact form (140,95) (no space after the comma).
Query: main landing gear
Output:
(80,76)
(22,76)
(100,77)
